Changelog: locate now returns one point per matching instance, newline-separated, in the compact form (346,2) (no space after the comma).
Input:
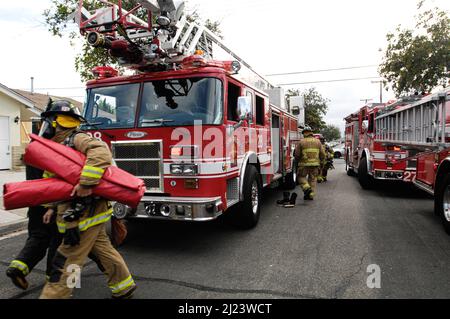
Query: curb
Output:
(13,227)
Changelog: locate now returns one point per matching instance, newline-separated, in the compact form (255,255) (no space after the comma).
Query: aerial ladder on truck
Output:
(164,40)
(423,128)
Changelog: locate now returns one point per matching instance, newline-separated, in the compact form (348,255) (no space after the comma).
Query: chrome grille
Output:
(143,159)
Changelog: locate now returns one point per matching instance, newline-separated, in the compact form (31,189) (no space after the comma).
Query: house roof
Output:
(17,96)
(40,100)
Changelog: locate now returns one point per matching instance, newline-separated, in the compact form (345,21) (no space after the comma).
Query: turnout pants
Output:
(69,260)
(307,177)
(40,238)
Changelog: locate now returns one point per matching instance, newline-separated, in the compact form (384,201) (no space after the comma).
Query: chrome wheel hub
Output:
(255,197)
(446,203)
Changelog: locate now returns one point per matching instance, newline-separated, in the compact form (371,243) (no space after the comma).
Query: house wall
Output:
(11,108)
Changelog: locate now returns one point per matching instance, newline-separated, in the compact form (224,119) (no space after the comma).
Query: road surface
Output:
(319,249)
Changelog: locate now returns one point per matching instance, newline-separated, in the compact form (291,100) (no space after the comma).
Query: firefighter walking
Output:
(82,221)
(310,157)
(329,156)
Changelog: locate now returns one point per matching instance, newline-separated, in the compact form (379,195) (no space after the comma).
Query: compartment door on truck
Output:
(275,139)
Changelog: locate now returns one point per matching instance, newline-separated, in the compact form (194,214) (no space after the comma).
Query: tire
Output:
(365,180)
(337,155)
(246,215)
(442,203)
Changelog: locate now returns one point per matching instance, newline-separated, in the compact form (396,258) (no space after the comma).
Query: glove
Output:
(72,237)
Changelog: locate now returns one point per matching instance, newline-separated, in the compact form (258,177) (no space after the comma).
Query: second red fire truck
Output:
(368,158)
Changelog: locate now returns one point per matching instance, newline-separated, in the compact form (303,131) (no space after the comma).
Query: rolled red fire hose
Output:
(35,193)
(67,163)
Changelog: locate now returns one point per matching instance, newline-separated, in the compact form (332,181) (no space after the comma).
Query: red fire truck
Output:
(368,158)
(424,128)
(205,135)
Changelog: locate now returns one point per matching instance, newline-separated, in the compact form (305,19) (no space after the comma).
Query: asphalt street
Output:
(319,249)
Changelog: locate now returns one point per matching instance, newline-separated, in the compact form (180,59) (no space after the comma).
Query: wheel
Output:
(442,203)
(365,180)
(337,155)
(246,214)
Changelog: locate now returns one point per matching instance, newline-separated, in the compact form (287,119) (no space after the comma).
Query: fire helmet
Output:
(63,107)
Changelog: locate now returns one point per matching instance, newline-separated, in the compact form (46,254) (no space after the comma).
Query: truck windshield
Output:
(112,106)
(171,102)
(175,102)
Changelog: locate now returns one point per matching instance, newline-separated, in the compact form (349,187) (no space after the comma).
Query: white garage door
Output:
(5,148)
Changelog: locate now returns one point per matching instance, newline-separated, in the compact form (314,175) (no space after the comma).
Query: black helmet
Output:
(63,107)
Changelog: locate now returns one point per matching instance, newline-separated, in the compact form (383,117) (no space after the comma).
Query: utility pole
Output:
(366,100)
(381,89)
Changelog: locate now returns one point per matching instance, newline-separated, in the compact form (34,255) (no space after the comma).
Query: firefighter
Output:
(329,156)
(82,221)
(310,156)
(41,237)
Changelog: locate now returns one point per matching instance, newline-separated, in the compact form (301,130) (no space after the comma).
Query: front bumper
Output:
(389,175)
(178,208)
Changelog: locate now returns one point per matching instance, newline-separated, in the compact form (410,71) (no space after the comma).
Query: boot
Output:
(17,278)
(285,199)
(307,194)
(291,203)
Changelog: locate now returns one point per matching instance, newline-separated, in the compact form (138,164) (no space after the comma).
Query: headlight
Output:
(176,169)
(190,169)
(184,169)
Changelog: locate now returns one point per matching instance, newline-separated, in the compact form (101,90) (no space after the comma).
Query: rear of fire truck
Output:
(366,157)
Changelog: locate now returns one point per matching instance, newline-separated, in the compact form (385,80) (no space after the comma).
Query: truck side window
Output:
(371,123)
(234,92)
(260,110)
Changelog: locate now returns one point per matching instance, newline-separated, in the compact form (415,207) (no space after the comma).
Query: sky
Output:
(272,36)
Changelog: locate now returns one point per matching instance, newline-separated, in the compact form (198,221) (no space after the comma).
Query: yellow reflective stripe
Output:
(93,172)
(48,174)
(88,222)
(21,266)
(93,168)
(121,286)
(61,227)
(91,175)
(95,220)
(311,150)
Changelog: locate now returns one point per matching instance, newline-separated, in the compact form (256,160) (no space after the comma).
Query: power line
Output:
(329,81)
(325,70)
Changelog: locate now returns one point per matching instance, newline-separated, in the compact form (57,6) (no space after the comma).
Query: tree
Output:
(331,133)
(316,107)
(56,19)
(418,60)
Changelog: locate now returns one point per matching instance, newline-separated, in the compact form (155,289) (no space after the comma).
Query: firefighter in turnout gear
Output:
(329,156)
(82,221)
(310,157)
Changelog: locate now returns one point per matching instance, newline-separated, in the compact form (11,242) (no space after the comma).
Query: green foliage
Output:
(418,60)
(331,133)
(56,19)
(316,107)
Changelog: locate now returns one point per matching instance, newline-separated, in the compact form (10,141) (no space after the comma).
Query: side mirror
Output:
(244,110)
